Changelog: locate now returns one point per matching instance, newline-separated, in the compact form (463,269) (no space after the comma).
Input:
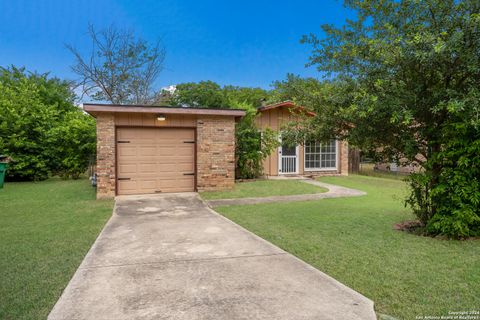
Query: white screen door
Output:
(287,159)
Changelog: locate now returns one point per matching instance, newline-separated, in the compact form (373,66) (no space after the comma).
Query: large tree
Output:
(403,76)
(120,68)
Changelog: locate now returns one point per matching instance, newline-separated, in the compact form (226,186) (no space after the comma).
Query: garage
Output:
(150,149)
(154,160)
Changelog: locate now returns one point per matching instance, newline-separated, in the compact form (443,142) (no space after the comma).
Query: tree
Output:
(208,94)
(204,94)
(33,108)
(295,88)
(252,146)
(121,67)
(404,73)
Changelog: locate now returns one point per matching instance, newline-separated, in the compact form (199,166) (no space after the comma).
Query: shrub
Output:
(451,206)
(252,146)
(41,128)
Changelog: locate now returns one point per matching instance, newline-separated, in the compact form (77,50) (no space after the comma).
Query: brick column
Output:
(215,153)
(105,155)
(344,158)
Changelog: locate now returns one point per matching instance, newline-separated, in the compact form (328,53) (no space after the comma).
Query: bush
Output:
(451,206)
(252,146)
(74,143)
(41,128)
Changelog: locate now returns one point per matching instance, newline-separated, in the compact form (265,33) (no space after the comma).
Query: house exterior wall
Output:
(275,119)
(215,153)
(215,147)
(106,178)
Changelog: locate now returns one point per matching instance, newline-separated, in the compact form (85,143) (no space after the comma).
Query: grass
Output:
(264,188)
(352,239)
(45,231)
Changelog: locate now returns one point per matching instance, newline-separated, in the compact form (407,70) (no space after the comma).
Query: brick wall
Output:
(105,155)
(215,153)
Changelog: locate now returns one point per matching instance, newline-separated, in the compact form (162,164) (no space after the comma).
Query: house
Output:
(147,149)
(312,158)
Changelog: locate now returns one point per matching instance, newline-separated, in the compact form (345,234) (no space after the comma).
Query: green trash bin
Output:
(3,168)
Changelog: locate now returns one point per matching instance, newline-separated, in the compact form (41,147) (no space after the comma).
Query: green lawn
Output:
(264,188)
(352,239)
(46,229)
(367,169)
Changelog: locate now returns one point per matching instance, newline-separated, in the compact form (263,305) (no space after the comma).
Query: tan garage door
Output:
(151,160)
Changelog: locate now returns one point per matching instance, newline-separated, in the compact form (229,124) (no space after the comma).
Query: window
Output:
(321,155)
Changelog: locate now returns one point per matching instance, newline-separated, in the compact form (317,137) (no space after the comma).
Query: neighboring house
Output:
(312,158)
(146,149)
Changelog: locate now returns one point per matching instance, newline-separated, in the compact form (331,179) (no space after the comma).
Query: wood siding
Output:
(275,119)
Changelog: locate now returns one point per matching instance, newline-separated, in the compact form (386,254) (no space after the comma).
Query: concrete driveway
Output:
(171,257)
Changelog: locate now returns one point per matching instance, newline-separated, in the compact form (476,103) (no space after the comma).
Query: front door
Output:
(287,159)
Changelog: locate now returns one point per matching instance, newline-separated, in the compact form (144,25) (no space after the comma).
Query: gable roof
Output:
(287,104)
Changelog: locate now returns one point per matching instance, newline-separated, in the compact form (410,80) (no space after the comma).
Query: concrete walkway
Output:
(333,192)
(171,257)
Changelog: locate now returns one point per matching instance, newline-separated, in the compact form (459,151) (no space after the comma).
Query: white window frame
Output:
(337,146)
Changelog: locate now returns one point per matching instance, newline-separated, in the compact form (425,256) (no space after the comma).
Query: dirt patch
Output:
(411,226)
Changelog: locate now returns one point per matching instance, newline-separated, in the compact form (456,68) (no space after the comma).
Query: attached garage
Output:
(142,150)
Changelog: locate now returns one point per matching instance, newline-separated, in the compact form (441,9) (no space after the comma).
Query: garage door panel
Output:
(155,160)
(126,150)
(127,169)
(175,168)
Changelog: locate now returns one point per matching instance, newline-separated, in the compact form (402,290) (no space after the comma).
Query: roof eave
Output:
(95,109)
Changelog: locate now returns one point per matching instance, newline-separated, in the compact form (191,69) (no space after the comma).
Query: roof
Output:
(287,104)
(95,108)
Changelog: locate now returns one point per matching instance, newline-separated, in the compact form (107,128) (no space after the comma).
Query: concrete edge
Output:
(333,192)
(329,278)
(89,252)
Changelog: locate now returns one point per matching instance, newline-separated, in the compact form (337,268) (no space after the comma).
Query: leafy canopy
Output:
(208,94)
(252,146)
(41,128)
(403,76)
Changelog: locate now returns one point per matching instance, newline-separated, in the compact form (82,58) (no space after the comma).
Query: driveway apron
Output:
(171,257)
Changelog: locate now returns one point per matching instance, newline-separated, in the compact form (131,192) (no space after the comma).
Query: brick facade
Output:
(105,155)
(215,150)
(215,153)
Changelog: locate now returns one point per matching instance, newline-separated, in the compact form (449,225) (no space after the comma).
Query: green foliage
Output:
(296,89)
(208,94)
(40,128)
(73,142)
(204,94)
(252,146)
(403,73)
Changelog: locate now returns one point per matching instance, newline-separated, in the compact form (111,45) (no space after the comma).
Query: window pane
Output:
(320,156)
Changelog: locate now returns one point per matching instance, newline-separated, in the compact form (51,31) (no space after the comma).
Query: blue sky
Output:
(246,43)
